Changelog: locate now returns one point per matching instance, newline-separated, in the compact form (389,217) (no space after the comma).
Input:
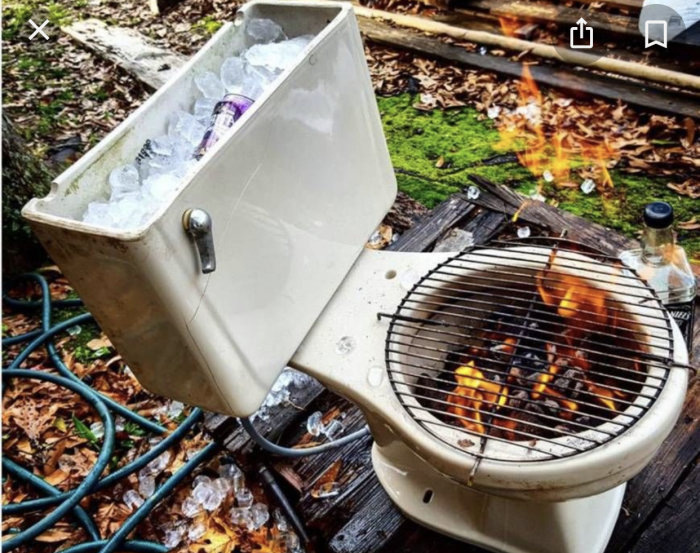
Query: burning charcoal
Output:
(535,407)
(583,419)
(530,362)
(517,399)
(551,406)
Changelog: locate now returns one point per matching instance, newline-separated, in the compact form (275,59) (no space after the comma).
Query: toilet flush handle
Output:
(198,225)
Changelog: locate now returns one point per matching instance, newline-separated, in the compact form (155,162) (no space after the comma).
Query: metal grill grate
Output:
(528,350)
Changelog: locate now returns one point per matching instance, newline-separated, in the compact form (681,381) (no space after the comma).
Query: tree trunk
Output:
(23,177)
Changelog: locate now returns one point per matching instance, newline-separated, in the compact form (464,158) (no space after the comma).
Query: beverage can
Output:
(225,114)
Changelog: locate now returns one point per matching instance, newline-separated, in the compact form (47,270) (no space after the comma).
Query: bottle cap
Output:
(658,215)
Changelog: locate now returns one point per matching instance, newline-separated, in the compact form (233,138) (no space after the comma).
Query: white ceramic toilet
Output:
(292,195)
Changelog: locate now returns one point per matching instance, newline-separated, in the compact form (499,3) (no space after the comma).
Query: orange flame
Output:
(548,153)
(573,297)
(472,390)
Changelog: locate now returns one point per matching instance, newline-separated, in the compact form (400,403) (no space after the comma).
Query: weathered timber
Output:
(443,217)
(342,523)
(129,49)
(675,527)
(579,83)
(631,5)
(279,417)
(649,492)
(502,199)
(561,15)
(573,57)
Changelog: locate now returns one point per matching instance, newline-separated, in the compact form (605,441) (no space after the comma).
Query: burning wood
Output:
(542,379)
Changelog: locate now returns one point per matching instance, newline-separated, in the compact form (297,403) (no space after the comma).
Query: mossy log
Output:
(23,177)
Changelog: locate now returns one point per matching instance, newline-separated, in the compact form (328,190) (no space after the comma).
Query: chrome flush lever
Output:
(198,225)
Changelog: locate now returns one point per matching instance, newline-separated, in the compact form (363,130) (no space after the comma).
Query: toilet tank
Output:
(293,192)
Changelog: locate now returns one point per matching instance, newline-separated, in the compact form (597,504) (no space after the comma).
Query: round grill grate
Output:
(529,350)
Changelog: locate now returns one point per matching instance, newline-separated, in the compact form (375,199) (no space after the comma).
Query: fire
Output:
(549,148)
(573,297)
(472,391)
(565,380)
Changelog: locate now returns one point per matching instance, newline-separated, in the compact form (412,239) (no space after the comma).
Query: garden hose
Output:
(69,501)
(66,502)
(272,447)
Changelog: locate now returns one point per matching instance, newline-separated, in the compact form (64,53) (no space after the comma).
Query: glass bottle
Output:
(664,265)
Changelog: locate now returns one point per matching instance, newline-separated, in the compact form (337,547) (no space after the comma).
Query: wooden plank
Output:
(502,199)
(561,15)
(632,5)
(648,492)
(675,529)
(129,49)
(424,234)
(579,83)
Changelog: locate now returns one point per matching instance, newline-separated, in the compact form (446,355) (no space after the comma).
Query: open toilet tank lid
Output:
(293,191)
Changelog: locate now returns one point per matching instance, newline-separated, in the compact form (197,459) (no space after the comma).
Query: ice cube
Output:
(345,345)
(203,109)
(264,30)
(208,495)
(333,429)
(132,499)
(588,186)
(278,55)
(119,423)
(97,429)
(223,485)
(190,508)
(314,424)
(473,192)
(259,515)
(196,531)
(163,146)
(292,543)
(147,486)
(160,463)
(210,85)
(127,212)
(233,474)
(97,213)
(455,241)
(232,72)
(173,536)
(244,498)
(175,409)
(523,232)
(161,187)
(201,479)
(185,126)
(280,520)
(241,516)
(124,180)
(328,489)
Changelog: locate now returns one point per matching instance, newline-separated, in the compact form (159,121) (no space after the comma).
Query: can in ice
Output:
(225,114)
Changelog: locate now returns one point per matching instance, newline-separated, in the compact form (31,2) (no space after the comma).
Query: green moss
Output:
(417,140)
(622,209)
(207,26)
(455,140)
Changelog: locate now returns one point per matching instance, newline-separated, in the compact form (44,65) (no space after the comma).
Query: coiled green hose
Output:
(66,502)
